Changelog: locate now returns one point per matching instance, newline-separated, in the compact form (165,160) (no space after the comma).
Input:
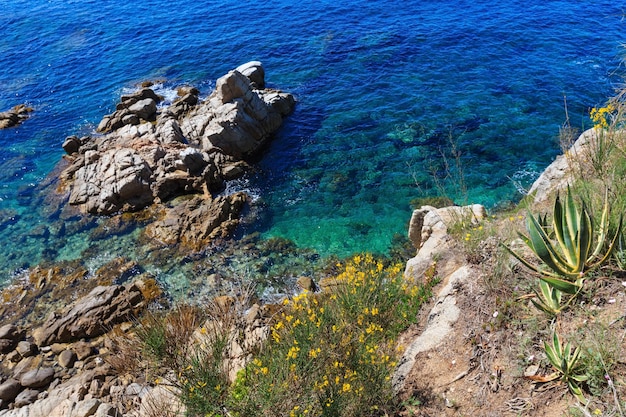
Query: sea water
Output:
(395,100)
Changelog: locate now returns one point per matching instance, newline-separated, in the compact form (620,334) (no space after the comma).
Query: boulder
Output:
(559,173)
(91,315)
(118,180)
(9,390)
(9,337)
(71,145)
(255,73)
(26,349)
(37,378)
(67,358)
(26,397)
(428,231)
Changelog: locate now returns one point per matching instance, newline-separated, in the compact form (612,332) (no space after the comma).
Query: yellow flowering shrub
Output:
(333,354)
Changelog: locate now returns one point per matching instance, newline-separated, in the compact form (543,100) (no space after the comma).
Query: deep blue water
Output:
(386,90)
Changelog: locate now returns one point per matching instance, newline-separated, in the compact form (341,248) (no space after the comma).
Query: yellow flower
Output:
(346,387)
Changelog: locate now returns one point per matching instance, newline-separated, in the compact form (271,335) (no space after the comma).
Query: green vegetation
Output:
(327,354)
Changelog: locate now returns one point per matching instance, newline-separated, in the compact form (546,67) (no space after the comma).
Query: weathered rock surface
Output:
(428,231)
(560,172)
(150,155)
(91,315)
(37,378)
(14,116)
(198,220)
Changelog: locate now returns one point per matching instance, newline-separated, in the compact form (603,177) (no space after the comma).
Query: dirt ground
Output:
(479,370)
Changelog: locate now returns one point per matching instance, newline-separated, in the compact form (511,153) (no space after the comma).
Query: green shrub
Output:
(332,354)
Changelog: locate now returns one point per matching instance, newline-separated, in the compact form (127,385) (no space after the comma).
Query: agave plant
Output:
(549,299)
(566,364)
(570,256)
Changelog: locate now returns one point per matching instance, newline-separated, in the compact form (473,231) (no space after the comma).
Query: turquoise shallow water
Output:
(384,88)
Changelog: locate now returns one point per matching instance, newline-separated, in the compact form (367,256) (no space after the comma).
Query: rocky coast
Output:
(168,166)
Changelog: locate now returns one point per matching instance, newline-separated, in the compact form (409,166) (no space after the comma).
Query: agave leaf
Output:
(561,231)
(577,391)
(572,217)
(549,299)
(543,248)
(562,285)
(583,240)
(612,245)
(604,223)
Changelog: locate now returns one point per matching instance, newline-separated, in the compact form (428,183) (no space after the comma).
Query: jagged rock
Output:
(67,358)
(27,364)
(428,231)
(241,120)
(9,390)
(144,109)
(83,350)
(14,116)
(199,220)
(28,396)
(118,180)
(37,378)
(106,410)
(91,315)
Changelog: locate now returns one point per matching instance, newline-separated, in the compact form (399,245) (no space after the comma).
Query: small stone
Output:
(83,350)
(26,349)
(37,378)
(58,347)
(7,345)
(9,390)
(531,370)
(67,358)
(253,314)
(26,397)
(13,356)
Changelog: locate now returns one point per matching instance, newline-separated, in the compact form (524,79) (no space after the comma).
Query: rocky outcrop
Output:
(91,315)
(149,156)
(14,116)
(428,231)
(560,172)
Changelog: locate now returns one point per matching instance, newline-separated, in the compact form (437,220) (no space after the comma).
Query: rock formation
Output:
(148,156)
(14,116)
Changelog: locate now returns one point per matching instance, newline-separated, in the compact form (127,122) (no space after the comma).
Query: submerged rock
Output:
(14,116)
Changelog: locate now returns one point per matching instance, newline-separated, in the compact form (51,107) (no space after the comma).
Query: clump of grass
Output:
(332,354)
